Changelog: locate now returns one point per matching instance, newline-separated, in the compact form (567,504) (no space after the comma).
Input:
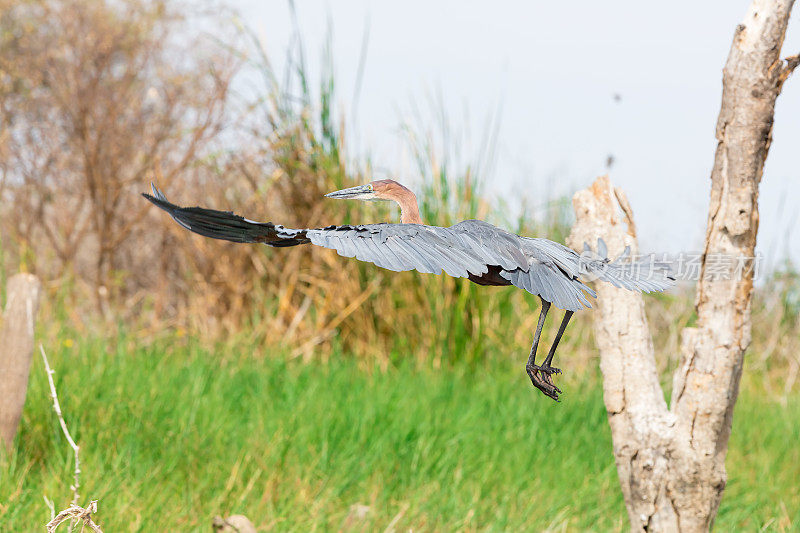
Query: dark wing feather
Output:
(227,226)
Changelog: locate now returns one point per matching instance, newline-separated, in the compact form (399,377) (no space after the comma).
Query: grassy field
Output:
(172,433)
(420,420)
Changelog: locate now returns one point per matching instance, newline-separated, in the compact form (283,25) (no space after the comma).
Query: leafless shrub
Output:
(96,99)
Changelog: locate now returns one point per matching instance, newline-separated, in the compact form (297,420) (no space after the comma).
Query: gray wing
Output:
(401,247)
(539,266)
(529,269)
(469,247)
(554,271)
(644,275)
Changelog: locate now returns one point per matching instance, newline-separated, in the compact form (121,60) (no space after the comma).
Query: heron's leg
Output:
(542,315)
(541,377)
(552,352)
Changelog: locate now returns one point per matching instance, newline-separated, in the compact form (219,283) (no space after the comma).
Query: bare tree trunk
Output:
(641,425)
(16,350)
(671,461)
(706,384)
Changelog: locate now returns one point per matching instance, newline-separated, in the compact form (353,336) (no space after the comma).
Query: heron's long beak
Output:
(361,192)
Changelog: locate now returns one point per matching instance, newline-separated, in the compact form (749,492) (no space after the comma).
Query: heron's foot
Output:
(542,380)
(546,369)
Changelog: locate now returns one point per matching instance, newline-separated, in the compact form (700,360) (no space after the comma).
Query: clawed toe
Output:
(540,377)
(549,370)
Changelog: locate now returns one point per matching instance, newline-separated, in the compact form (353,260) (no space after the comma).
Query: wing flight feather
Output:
(469,248)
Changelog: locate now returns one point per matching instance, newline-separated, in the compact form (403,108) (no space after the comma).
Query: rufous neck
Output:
(409,210)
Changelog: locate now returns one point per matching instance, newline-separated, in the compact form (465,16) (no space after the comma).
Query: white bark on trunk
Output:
(671,461)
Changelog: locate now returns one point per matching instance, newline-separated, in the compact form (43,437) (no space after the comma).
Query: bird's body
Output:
(473,249)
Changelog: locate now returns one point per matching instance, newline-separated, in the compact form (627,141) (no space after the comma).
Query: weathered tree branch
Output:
(16,350)
(671,462)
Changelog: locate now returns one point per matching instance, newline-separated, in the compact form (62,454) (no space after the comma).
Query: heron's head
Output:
(384,190)
(374,190)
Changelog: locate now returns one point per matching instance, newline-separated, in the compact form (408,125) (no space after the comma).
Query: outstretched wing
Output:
(397,247)
(467,249)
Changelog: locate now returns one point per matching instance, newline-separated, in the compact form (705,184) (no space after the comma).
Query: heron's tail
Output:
(227,226)
(645,275)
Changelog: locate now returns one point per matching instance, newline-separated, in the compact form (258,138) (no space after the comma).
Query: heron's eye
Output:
(370,188)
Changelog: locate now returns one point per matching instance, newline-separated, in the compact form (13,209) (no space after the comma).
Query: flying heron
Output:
(473,249)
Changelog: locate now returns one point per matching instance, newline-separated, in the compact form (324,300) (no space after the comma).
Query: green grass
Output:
(172,434)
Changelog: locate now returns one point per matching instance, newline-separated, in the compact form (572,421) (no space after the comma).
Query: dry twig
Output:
(74,512)
(70,440)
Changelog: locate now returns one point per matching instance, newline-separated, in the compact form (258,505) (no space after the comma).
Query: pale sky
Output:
(552,69)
